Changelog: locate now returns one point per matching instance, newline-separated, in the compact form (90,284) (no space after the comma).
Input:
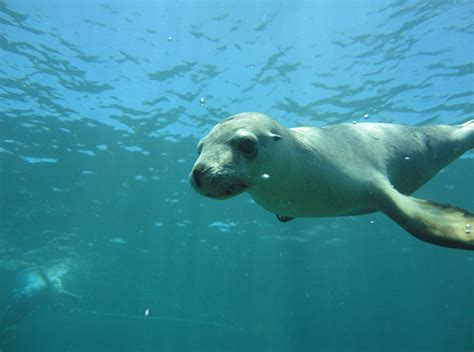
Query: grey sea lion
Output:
(337,170)
(35,290)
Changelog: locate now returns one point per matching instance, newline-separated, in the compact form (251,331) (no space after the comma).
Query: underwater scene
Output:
(111,238)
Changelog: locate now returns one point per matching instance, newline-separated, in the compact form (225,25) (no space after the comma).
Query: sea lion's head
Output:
(233,156)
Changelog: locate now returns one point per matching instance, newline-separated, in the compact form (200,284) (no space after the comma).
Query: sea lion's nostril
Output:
(197,177)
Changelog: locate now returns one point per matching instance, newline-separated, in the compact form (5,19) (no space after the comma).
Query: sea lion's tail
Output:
(439,224)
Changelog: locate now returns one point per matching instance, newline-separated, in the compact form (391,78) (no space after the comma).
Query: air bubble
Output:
(147,312)
(366,116)
(265,176)
(170,38)
(407,158)
(202,101)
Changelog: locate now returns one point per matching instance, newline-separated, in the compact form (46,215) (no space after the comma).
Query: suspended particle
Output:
(366,116)
(265,176)
(170,38)
(147,312)
(202,101)
(407,158)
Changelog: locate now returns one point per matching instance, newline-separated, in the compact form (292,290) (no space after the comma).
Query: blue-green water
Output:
(101,106)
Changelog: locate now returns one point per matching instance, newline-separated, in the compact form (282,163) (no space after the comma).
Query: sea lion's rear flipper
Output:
(439,224)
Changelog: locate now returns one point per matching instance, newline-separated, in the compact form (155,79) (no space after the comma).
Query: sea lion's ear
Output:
(274,136)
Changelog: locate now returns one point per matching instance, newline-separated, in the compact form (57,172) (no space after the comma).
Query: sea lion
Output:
(337,170)
(36,290)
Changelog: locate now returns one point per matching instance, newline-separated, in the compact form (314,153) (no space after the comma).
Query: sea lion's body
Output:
(337,170)
(339,176)
(35,291)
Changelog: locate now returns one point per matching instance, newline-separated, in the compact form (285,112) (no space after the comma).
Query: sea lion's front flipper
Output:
(70,296)
(439,224)
(284,218)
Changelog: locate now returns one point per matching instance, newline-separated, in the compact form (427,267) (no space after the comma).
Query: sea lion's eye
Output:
(247,146)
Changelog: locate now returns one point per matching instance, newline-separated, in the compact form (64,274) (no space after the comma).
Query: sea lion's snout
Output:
(202,178)
(216,183)
(195,177)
